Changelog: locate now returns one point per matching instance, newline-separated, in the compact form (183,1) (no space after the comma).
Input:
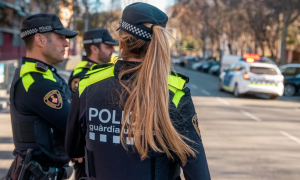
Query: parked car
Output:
(190,60)
(208,65)
(176,60)
(215,70)
(197,65)
(291,85)
(290,70)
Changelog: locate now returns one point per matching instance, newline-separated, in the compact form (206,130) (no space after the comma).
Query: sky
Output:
(161,4)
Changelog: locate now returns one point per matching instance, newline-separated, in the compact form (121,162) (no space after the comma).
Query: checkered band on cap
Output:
(29,32)
(137,32)
(91,41)
(41,29)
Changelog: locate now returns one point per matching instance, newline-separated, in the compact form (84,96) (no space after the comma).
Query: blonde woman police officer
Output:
(136,120)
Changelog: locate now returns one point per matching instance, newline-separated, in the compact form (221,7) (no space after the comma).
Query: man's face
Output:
(105,52)
(54,49)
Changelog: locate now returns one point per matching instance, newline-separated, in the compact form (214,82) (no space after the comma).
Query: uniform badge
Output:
(74,84)
(196,125)
(54,99)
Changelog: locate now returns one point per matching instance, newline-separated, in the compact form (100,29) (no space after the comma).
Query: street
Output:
(244,138)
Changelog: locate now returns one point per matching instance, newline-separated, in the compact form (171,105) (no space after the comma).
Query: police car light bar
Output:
(251,57)
(250,60)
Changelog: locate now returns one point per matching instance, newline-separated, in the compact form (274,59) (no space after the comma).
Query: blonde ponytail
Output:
(147,106)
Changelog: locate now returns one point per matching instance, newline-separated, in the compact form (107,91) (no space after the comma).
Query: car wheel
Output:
(289,90)
(274,97)
(236,91)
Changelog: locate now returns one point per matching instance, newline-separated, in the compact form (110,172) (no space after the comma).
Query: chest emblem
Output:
(54,99)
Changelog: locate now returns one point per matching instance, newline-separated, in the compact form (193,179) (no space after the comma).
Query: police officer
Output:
(136,120)
(99,46)
(40,100)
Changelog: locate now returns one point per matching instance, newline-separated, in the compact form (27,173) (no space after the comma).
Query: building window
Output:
(17,40)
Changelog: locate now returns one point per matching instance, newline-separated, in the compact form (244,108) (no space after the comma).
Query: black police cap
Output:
(137,14)
(42,23)
(100,35)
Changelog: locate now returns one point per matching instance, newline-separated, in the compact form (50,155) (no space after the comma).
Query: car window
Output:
(232,67)
(298,70)
(263,70)
(289,71)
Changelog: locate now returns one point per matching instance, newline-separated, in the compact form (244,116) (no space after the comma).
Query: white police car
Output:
(250,75)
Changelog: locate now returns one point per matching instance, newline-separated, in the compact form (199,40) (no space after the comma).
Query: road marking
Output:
(205,92)
(223,101)
(250,115)
(194,86)
(5,163)
(7,146)
(290,136)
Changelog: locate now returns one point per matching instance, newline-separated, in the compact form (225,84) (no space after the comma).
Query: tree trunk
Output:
(86,21)
(272,48)
(204,36)
(262,48)
(283,37)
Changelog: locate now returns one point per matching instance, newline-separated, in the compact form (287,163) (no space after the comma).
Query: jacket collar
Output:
(85,58)
(26,59)
(123,65)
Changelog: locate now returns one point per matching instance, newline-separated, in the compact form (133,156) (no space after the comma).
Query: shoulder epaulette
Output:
(186,78)
(100,66)
(177,81)
(88,65)
(41,67)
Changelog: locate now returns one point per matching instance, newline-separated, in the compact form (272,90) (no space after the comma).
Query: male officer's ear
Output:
(94,49)
(39,39)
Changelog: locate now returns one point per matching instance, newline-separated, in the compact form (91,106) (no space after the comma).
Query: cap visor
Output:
(67,32)
(112,42)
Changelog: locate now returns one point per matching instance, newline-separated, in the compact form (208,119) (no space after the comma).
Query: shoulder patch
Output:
(196,125)
(54,99)
(74,84)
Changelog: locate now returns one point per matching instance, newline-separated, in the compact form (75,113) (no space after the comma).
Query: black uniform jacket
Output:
(40,106)
(94,127)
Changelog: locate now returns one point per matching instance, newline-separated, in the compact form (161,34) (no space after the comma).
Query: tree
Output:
(290,11)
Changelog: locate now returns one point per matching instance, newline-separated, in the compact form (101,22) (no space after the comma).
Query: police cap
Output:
(99,35)
(137,14)
(42,23)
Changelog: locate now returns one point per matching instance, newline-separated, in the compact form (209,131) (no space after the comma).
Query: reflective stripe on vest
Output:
(95,77)
(79,67)
(27,79)
(176,83)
